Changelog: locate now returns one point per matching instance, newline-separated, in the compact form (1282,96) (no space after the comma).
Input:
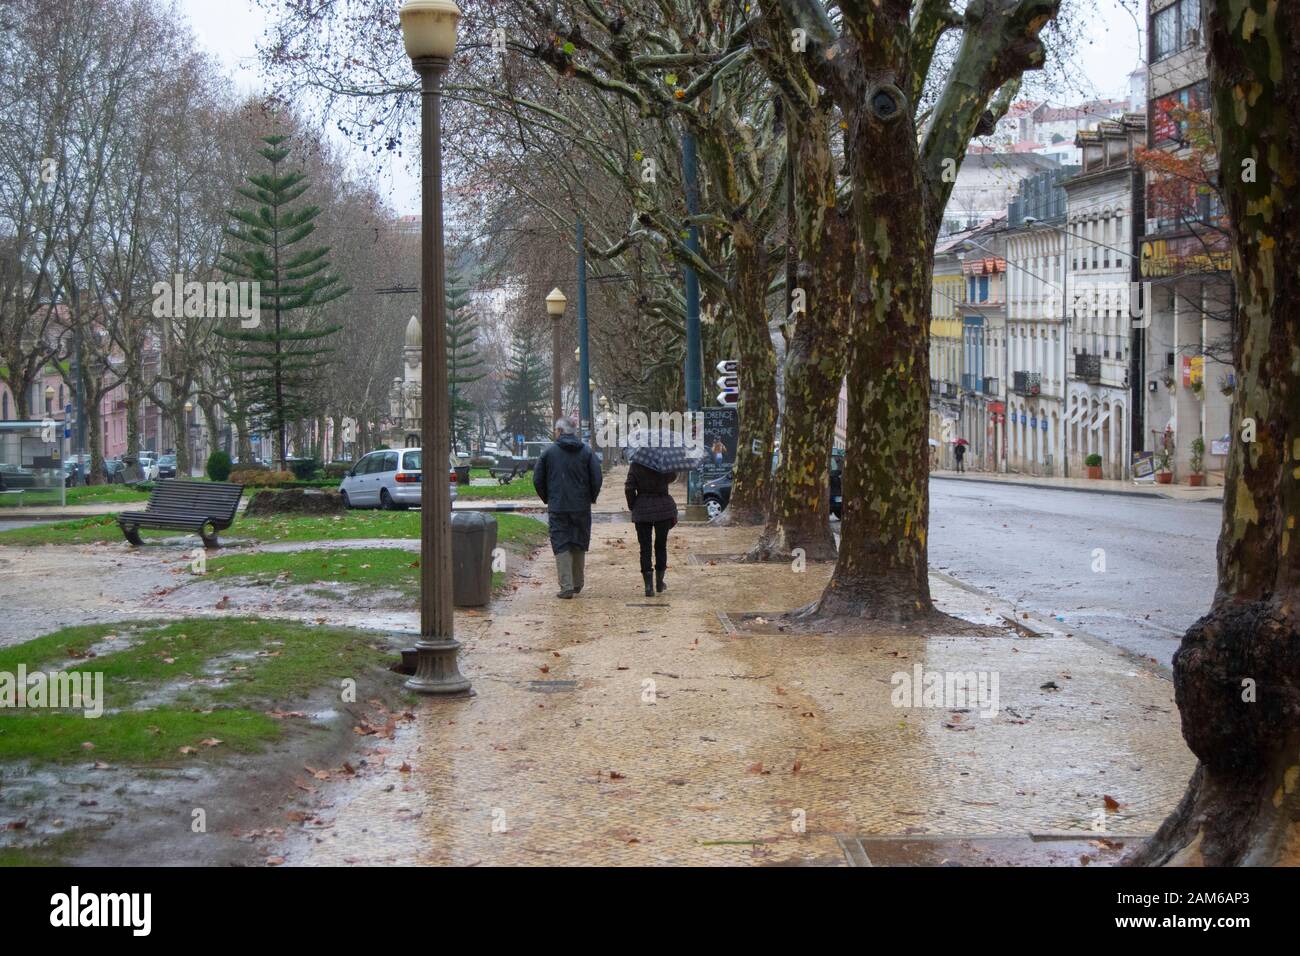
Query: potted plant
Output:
(1197,477)
(1093,462)
(1165,458)
(1198,389)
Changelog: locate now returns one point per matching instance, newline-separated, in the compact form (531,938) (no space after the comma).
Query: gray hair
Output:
(565,426)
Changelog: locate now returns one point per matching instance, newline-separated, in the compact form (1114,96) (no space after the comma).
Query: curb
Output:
(1033,625)
(1132,493)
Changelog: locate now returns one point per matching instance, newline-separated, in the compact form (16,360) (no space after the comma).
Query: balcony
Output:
(1088,368)
(990,386)
(1027,383)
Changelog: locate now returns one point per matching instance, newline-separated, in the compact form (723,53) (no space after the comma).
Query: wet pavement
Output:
(1045,550)
(616,729)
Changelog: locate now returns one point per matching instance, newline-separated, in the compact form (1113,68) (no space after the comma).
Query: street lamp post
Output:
(429,33)
(193,437)
(555,303)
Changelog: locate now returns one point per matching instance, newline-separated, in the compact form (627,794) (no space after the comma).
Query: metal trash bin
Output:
(473,539)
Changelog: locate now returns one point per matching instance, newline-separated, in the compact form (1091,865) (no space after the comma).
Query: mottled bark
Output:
(1237,671)
(870,64)
(756,411)
(799,517)
(882,570)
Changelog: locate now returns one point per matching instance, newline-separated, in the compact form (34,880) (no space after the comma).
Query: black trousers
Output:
(659,529)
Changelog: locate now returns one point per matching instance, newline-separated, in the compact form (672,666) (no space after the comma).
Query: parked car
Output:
(166,467)
(391,480)
(148,466)
(717,492)
(14,478)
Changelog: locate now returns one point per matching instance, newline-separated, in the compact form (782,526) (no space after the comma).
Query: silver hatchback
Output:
(391,480)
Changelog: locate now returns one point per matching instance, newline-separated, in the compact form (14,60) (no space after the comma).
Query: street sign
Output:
(728,399)
(729,383)
(729,366)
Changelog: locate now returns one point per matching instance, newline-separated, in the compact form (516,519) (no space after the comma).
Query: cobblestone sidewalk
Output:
(616,729)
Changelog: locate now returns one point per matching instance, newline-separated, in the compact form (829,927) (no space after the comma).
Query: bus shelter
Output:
(32,464)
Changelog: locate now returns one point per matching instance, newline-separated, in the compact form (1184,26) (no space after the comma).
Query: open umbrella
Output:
(663,450)
(961,441)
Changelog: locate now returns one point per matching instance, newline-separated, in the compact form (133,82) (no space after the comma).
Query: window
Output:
(389,462)
(1175,28)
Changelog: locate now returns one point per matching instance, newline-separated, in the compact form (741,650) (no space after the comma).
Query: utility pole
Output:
(584,357)
(694,352)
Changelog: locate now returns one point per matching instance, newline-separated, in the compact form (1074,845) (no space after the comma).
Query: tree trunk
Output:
(135,396)
(756,412)
(799,517)
(1237,671)
(182,431)
(882,571)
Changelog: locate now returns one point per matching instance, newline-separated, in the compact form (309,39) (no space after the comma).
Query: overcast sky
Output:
(230,29)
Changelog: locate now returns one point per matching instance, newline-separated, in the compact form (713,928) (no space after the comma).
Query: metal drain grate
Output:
(552,686)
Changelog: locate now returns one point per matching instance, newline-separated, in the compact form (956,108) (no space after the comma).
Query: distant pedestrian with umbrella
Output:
(960,453)
(656,458)
(567,478)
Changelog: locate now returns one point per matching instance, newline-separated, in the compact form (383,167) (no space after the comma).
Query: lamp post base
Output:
(436,671)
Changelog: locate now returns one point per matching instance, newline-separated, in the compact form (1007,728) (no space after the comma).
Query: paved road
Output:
(1037,547)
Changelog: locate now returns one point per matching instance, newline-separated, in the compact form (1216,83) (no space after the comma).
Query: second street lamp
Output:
(429,32)
(555,303)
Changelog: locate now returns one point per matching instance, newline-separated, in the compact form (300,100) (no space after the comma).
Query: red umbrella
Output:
(961,441)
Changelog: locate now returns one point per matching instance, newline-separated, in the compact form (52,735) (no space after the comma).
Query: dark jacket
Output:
(647,494)
(568,479)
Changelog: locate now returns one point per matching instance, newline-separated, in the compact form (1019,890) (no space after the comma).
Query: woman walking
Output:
(654,512)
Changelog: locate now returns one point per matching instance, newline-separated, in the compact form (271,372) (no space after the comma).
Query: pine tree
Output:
(523,394)
(279,363)
(464,364)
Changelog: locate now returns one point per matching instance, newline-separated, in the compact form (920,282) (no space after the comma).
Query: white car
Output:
(391,480)
(148,466)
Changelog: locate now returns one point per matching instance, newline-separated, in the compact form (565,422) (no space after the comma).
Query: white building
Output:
(985,185)
(1100,277)
(1036,365)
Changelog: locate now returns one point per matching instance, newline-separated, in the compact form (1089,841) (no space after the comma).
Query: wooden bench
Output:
(201,507)
(507,471)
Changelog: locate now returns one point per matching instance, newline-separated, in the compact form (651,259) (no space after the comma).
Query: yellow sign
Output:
(1172,257)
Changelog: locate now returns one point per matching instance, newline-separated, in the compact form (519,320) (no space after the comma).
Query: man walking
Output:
(567,479)
(960,453)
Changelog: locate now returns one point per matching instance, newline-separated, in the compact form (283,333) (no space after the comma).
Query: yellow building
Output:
(947,294)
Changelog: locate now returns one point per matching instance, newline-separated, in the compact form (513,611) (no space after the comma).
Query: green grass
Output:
(354,524)
(521,487)
(376,568)
(368,568)
(87,495)
(259,664)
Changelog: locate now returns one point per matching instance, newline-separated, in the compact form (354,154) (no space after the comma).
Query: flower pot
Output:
(1164,477)
(1196,481)
(1094,471)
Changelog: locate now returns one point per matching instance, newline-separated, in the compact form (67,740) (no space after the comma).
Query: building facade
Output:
(947,297)
(1036,373)
(1185,258)
(1102,203)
